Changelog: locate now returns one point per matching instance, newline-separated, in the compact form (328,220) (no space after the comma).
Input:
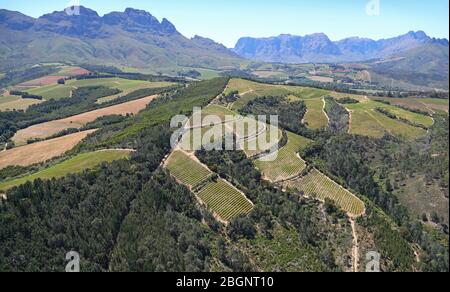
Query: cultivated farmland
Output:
(203,136)
(58,91)
(317,185)
(12,102)
(429,105)
(186,169)
(71,71)
(225,200)
(262,140)
(73,165)
(43,81)
(249,90)
(366,120)
(286,164)
(315,117)
(45,130)
(212,111)
(41,151)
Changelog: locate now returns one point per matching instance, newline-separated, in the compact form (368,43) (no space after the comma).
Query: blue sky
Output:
(227,20)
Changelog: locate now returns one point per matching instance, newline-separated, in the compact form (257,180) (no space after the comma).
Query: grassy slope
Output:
(8,103)
(76,164)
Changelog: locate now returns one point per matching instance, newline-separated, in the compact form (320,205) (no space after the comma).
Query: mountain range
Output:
(132,38)
(318,48)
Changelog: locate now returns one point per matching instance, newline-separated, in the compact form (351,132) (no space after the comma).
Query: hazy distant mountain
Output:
(320,49)
(130,38)
(426,65)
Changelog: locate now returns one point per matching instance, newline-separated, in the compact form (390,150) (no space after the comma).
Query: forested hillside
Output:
(132,215)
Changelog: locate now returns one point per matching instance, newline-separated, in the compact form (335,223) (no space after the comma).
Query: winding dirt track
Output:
(355,249)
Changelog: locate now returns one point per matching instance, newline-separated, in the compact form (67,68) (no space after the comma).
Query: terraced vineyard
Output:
(287,163)
(186,169)
(222,114)
(203,136)
(249,90)
(225,200)
(261,141)
(319,186)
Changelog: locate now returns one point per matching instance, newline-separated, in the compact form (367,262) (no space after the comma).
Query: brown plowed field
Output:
(48,129)
(41,151)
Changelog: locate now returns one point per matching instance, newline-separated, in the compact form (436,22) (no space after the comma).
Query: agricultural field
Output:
(211,111)
(41,151)
(263,139)
(52,79)
(13,102)
(208,73)
(361,123)
(317,185)
(429,105)
(247,130)
(58,91)
(225,200)
(43,81)
(367,104)
(374,124)
(76,164)
(396,127)
(308,92)
(203,136)
(45,130)
(321,79)
(130,88)
(315,117)
(271,74)
(249,90)
(436,104)
(287,163)
(366,121)
(186,169)
(71,71)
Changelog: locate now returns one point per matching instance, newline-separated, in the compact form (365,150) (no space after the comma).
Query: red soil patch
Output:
(78,72)
(47,80)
